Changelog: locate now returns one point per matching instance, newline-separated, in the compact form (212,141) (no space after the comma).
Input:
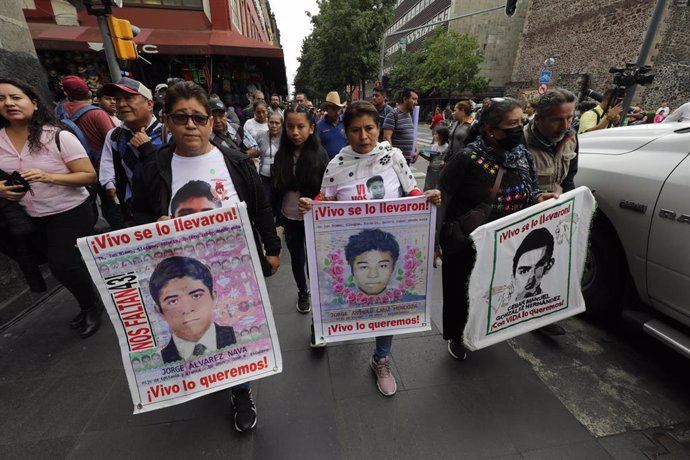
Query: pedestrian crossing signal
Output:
(123,38)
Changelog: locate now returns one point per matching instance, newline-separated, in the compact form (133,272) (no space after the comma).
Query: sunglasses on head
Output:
(181,119)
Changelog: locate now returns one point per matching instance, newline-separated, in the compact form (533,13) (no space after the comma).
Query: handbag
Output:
(455,234)
(12,212)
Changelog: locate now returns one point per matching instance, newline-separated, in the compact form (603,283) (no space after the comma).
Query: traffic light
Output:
(123,38)
(511,6)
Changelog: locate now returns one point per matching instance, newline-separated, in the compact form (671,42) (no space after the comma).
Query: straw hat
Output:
(332,98)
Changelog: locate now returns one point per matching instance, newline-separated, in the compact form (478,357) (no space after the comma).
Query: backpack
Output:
(71,125)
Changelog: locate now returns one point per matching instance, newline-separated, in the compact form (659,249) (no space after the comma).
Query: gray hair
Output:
(553,98)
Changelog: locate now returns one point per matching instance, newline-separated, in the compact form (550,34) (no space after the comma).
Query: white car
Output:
(640,177)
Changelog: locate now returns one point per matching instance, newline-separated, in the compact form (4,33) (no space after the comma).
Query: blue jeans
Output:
(383,347)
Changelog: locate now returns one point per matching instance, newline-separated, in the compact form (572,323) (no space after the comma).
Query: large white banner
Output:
(528,269)
(370,267)
(189,305)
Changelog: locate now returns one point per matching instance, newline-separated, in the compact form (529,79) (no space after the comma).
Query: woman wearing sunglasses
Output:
(192,157)
(190,174)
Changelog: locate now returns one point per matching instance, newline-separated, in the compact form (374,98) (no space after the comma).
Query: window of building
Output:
(236,18)
(182,4)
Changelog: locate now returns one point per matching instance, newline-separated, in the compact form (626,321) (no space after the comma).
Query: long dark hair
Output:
(308,171)
(491,117)
(42,116)
(497,109)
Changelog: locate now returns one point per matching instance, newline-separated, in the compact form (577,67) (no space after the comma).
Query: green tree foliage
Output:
(449,61)
(403,74)
(343,48)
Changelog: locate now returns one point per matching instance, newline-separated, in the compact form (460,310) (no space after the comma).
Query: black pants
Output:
(294,239)
(111,210)
(57,236)
(455,274)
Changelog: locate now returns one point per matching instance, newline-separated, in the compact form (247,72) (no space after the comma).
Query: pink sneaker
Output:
(385,380)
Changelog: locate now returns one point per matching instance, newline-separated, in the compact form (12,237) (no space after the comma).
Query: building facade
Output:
(497,34)
(230,47)
(410,14)
(587,37)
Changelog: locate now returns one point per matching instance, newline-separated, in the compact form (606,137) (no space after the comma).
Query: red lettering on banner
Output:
(108,241)
(327,211)
(190,223)
(389,208)
(130,307)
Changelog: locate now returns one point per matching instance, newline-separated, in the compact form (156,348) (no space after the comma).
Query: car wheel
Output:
(605,274)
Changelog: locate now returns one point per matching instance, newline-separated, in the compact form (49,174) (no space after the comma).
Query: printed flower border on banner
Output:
(345,291)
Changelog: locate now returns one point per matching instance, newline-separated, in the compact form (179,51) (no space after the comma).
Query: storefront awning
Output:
(155,41)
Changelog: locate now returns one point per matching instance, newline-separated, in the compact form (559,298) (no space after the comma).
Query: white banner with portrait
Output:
(370,267)
(189,304)
(528,269)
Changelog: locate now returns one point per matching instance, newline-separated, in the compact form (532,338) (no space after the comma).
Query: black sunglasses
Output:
(181,119)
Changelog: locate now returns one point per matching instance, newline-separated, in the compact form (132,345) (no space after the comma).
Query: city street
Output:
(595,393)
(567,211)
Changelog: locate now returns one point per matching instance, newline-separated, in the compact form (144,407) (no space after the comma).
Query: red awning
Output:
(155,41)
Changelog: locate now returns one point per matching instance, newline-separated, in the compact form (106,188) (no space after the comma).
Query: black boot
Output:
(78,321)
(92,321)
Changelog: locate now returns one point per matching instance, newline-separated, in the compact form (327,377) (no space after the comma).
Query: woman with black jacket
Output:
(191,175)
(496,159)
(298,169)
(178,162)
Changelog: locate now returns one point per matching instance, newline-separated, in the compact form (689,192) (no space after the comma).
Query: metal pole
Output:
(110,57)
(383,47)
(404,31)
(644,51)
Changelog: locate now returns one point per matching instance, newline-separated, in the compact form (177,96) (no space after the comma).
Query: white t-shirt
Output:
(386,186)
(255,128)
(209,168)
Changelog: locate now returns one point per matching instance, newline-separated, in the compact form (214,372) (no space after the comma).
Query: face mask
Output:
(513,138)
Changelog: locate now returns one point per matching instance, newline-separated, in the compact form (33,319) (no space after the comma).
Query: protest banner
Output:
(528,269)
(370,267)
(189,305)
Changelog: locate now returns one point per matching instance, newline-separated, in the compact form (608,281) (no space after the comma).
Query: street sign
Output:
(545,77)
(542,89)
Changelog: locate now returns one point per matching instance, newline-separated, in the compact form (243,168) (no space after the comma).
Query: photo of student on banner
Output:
(371,255)
(532,261)
(194,196)
(377,272)
(184,293)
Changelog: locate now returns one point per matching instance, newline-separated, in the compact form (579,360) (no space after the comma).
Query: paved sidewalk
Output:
(63,397)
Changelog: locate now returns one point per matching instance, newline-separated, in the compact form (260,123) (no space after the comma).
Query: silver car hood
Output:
(617,141)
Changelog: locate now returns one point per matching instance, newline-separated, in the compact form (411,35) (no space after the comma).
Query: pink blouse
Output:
(47,199)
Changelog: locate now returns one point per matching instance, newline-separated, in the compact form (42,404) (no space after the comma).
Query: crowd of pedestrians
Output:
(146,157)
